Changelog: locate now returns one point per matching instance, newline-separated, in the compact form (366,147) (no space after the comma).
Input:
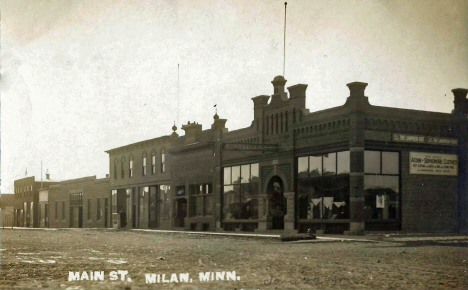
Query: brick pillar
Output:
(290,207)
(357,103)
(460,118)
(263,204)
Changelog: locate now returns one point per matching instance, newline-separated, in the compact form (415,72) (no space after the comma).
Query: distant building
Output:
(7,205)
(79,203)
(26,192)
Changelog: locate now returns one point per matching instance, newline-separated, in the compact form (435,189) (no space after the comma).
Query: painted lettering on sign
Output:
(433,163)
(408,138)
(424,139)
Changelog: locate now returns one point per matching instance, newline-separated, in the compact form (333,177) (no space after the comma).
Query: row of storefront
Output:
(348,169)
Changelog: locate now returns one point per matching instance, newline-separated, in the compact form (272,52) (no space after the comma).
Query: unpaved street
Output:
(44,258)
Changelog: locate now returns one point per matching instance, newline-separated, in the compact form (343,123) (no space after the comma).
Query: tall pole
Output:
(178,93)
(284,40)
(41,173)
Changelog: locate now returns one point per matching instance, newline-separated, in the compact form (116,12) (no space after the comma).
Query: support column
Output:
(263,212)
(460,113)
(290,206)
(358,104)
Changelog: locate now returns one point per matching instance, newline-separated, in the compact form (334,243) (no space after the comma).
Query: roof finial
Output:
(174,128)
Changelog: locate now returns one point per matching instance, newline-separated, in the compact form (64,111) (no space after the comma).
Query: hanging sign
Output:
(433,163)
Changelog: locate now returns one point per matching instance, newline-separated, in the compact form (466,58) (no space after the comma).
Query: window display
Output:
(324,192)
(381,185)
(241,188)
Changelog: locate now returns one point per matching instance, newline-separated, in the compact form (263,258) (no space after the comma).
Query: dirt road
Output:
(39,258)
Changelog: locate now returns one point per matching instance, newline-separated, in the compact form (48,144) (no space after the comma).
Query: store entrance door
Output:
(181,212)
(277,202)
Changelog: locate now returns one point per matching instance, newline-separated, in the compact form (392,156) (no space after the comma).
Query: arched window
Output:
(153,162)
(281,122)
(294,116)
(130,166)
(276,123)
(143,164)
(115,168)
(272,124)
(122,168)
(267,122)
(163,160)
(286,122)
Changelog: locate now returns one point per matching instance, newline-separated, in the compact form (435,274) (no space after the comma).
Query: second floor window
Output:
(153,164)
(122,169)
(130,169)
(144,166)
(163,161)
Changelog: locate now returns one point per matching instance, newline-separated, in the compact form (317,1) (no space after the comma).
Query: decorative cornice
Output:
(191,147)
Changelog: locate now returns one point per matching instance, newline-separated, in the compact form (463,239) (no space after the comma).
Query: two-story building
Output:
(26,191)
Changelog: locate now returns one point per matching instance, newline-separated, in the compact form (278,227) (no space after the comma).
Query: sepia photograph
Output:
(234,144)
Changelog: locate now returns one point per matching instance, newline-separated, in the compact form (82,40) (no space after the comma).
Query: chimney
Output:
(47,176)
(278,84)
(460,103)
(356,89)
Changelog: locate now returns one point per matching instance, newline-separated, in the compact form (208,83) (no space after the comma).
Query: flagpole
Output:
(178,93)
(284,40)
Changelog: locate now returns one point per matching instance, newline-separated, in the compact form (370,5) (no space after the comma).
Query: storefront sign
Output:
(433,163)
(408,138)
(250,147)
(424,139)
(442,141)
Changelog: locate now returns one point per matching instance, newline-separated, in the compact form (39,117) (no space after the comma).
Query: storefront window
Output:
(315,165)
(329,163)
(390,163)
(324,193)
(382,188)
(241,198)
(227,175)
(343,163)
(235,173)
(372,162)
(201,196)
(245,173)
(114,201)
(302,167)
(164,194)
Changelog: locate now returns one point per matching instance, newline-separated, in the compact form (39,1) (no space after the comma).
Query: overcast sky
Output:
(82,77)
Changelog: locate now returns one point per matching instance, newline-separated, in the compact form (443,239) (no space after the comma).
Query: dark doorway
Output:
(106,211)
(46,218)
(80,216)
(71,217)
(153,207)
(277,208)
(181,212)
